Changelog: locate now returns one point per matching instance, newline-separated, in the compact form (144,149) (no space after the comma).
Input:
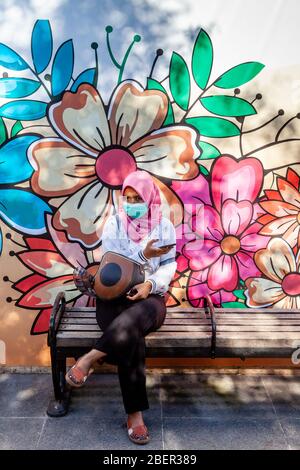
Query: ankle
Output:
(136,418)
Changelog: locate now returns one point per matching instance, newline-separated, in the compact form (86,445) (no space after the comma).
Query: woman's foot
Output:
(78,374)
(136,428)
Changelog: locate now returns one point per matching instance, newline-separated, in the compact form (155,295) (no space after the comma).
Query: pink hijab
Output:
(142,182)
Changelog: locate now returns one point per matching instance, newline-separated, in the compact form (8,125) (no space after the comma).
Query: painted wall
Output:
(202,95)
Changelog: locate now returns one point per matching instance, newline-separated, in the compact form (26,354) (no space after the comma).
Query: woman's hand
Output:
(143,290)
(151,252)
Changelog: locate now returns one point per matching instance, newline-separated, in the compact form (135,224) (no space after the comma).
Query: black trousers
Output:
(125,323)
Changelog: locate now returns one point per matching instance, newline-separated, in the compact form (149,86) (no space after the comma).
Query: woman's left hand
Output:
(143,290)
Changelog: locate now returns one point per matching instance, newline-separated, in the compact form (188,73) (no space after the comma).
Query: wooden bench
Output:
(207,332)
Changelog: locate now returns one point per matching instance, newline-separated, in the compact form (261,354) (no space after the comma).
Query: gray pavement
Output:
(209,409)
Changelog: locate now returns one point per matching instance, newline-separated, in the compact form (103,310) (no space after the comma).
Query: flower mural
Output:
(238,240)
(95,153)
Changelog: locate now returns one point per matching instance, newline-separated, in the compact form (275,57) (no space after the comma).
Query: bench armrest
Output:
(56,314)
(208,304)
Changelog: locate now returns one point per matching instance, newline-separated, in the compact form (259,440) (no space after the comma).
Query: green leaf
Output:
(213,126)
(239,294)
(3,131)
(180,84)
(202,59)
(17,127)
(238,75)
(233,305)
(155,85)
(203,170)
(227,105)
(208,151)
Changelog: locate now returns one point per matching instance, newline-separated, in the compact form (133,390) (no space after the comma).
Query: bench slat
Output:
(174,328)
(184,310)
(219,316)
(193,321)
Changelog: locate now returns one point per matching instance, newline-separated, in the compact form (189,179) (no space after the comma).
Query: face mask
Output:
(135,210)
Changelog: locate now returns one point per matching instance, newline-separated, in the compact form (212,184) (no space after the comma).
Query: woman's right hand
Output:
(151,251)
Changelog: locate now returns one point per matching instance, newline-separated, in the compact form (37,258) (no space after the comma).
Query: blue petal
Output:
(23,110)
(87,76)
(17,87)
(62,67)
(41,45)
(23,211)
(14,165)
(10,59)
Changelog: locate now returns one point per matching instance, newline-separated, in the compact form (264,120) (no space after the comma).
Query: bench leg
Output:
(60,405)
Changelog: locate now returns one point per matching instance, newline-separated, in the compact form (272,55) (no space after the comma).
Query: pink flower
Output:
(227,234)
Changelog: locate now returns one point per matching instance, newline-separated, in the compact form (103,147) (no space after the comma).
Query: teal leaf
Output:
(62,67)
(155,85)
(213,126)
(23,110)
(41,45)
(3,131)
(203,170)
(238,75)
(233,305)
(209,151)
(10,59)
(14,164)
(23,211)
(87,76)
(12,87)
(180,84)
(202,59)
(227,105)
(17,127)
(239,294)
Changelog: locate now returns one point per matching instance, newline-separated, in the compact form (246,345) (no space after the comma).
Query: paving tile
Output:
(24,395)
(291,428)
(20,433)
(93,433)
(285,394)
(216,434)
(214,396)
(102,397)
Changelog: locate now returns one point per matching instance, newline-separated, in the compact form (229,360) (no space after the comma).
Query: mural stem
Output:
(41,81)
(269,145)
(110,51)
(282,127)
(124,61)
(263,125)
(196,100)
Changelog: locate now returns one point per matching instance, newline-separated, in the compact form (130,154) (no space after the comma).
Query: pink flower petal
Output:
(251,240)
(236,179)
(207,223)
(236,216)
(223,274)
(246,265)
(201,253)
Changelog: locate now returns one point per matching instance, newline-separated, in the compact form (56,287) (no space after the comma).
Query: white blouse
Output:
(158,270)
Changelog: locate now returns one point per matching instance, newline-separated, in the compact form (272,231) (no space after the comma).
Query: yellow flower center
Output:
(230,245)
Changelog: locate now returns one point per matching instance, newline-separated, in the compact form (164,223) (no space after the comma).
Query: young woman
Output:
(125,321)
